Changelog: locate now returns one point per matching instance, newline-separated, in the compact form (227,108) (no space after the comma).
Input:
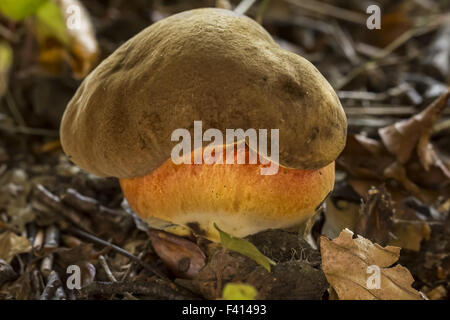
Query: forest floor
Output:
(392,180)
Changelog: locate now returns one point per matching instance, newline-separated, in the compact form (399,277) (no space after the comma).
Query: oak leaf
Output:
(349,266)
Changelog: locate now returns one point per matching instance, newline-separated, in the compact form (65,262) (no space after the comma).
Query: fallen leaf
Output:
(245,248)
(183,257)
(375,216)
(348,263)
(69,23)
(338,216)
(239,291)
(12,245)
(409,234)
(397,172)
(364,157)
(403,137)
(438,293)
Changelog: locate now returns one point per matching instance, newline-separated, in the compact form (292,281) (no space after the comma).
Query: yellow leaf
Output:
(245,248)
(51,22)
(239,291)
(20,9)
(12,245)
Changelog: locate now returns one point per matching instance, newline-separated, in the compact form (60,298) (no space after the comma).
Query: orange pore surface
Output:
(235,196)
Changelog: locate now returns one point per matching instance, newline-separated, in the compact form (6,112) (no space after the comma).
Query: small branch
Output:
(105,267)
(53,290)
(14,109)
(244,6)
(117,249)
(53,202)
(29,131)
(330,10)
(431,25)
(51,242)
(86,204)
(51,237)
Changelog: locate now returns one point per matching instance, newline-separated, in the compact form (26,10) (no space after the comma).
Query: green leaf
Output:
(245,248)
(6,56)
(6,60)
(20,9)
(52,23)
(239,291)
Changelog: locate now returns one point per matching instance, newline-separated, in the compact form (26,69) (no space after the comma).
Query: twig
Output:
(330,10)
(394,45)
(14,110)
(36,284)
(243,6)
(29,131)
(111,277)
(52,201)
(345,42)
(372,96)
(86,204)
(118,249)
(53,289)
(388,110)
(38,240)
(51,237)
(105,267)
(47,265)
(51,242)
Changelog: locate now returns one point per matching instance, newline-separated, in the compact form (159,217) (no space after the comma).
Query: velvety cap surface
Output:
(204,64)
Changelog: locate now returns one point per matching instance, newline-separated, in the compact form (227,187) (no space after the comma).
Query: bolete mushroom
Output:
(225,70)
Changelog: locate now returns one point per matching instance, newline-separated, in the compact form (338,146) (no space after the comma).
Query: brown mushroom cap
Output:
(204,64)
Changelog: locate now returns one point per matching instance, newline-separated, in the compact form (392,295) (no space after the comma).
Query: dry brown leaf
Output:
(183,257)
(438,293)
(338,216)
(409,234)
(403,137)
(397,172)
(12,245)
(375,216)
(364,157)
(345,262)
